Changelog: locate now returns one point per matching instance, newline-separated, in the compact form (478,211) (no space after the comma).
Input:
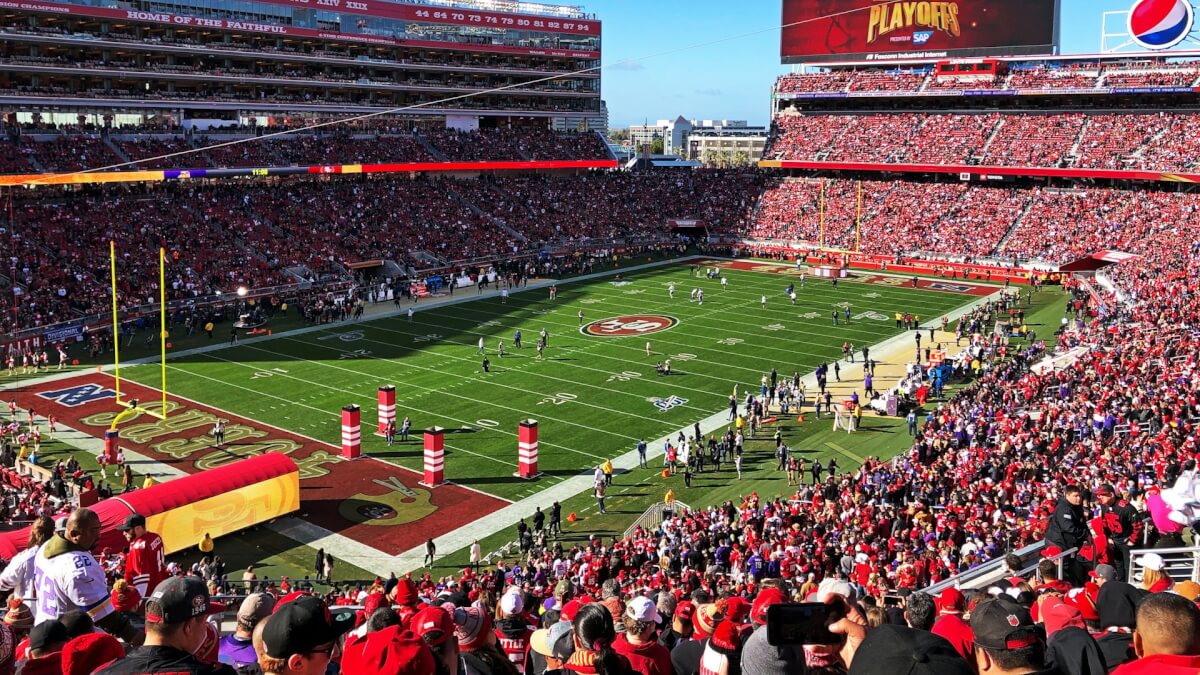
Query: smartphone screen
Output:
(803,623)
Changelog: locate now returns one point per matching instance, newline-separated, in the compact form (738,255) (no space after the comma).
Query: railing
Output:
(994,570)
(655,515)
(1179,563)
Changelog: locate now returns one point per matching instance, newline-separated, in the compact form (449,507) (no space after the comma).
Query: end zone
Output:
(372,502)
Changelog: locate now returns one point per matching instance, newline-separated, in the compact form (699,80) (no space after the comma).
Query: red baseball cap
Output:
(389,652)
(433,625)
(770,596)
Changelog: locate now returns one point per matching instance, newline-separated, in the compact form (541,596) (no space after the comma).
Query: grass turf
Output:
(592,396)
(734,313)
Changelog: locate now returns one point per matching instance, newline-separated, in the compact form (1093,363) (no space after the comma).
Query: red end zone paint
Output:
(940,285)
(373,502)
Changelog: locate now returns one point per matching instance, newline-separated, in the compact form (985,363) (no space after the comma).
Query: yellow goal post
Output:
(133,406)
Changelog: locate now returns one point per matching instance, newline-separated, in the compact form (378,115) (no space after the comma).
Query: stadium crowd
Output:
(1093,457)
(1083,75)
(1134,141)
(75,150)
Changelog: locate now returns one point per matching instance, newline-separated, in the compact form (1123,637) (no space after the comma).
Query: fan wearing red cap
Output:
(176,629)
(950,624)
(391,651)
(435,627)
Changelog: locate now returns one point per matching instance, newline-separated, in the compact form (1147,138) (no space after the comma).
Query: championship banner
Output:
(869,30)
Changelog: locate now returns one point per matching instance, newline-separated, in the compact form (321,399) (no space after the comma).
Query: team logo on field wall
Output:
(630,325)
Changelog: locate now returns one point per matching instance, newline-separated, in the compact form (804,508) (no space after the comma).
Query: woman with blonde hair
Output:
(1154,578)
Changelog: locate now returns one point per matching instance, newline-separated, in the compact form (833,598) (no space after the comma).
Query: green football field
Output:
(594,397)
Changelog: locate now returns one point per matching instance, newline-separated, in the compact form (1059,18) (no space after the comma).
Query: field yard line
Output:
(752,311)
(569,350)
(353,393)
(526,370)
(757,281)
(613,343)
(788,313)
(508,516)
(336,415)
(471,379)
(880,273)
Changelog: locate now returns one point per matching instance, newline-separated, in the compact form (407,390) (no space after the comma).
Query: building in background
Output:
(729,146)
(674,133)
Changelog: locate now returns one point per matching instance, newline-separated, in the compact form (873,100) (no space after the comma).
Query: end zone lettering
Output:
(630,325)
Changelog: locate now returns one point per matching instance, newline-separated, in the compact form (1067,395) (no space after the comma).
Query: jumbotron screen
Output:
(892,30)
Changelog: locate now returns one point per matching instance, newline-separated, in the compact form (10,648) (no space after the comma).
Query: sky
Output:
(717,59)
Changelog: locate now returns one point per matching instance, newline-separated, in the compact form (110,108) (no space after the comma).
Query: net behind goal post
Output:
(156,409)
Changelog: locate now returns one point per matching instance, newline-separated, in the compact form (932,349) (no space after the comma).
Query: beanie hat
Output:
(90,652)
(406,592)
(19,617)
(726,639)
(472,626)
(704,621)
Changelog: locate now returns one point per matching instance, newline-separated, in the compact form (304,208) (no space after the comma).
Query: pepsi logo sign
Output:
(1160,24)
(630,325)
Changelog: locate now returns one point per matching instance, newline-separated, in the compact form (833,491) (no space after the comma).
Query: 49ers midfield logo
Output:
(625,326)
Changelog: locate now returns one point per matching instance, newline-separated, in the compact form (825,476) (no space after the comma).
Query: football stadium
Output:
(351,337)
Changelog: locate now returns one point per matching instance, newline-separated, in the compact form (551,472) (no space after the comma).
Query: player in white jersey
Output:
(724,283)
(671,290)
(68,577)
(692,295)
(62,357)
(700,296)
(764,302)
(793,297)
(481,349)
(648,350)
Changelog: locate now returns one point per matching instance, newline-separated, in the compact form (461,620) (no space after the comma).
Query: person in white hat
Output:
(1154,576)
(639,642)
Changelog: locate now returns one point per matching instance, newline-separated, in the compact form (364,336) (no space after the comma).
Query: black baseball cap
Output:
(47,634)
(1001,624)
(132,521)
(178,599)
(302,624)
(900,650)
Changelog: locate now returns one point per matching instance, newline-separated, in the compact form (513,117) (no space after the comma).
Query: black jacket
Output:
(685,657)
(1067,529)
(155,660)
(1073,651)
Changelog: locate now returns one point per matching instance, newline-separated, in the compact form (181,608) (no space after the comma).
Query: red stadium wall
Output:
(217,501)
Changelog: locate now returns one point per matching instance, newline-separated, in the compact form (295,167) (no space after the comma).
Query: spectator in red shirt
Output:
(950,624)
(146,565)
(1167,639)
(638,643)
